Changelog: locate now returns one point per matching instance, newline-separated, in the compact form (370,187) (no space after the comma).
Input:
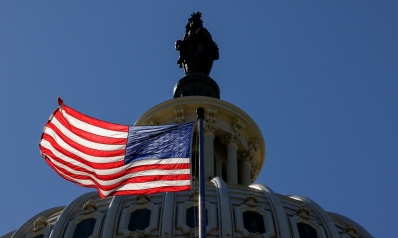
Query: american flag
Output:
(117,159)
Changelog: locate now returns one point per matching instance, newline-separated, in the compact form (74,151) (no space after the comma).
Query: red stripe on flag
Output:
(62,172)
(95,122)
(111,165)
(87,135)
(77,146)
(148,191)
(124,172)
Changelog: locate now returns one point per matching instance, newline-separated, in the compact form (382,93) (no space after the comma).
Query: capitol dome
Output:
(236,206)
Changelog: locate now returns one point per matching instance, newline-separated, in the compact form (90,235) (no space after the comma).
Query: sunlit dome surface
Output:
(235,205)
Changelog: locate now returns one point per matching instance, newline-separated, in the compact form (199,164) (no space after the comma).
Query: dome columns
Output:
(232,142)
(218,164)
(228,133)
(247,162)
(210,132)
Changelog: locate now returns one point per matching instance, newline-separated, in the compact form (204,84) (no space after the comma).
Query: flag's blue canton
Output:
(158,142)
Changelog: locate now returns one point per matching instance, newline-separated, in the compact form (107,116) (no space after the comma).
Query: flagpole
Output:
(202,207)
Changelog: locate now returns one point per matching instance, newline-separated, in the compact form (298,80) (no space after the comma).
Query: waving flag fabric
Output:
(117,159)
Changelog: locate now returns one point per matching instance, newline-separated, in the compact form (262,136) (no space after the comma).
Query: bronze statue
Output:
(197,48)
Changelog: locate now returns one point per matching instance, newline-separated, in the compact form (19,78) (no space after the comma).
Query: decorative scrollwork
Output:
(351,230)
(194,232)
(142,199)
(238,126)
(231,138)
(166,235)
(89,207)
(152,122)
(251,200)
(255,235)
(136,234)
(303,212)
(179,115)
(40,223)
(194,195)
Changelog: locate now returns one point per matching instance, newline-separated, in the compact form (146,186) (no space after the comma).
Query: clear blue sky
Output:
(318,77)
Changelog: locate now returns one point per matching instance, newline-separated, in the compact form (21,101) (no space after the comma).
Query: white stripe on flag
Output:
(82,141)
(150,172)
(120,169)
(131,186)
(89,158)
(91,128)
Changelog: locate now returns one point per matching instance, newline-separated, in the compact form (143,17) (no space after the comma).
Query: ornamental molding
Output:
(40,223)
(166,235)
(209,124)
(231,138)
(89,207)
(194,195)
(238,126)
(152,122)
(211,115)
(136,234)
(256,235)
(41,226)
(179,113)
(193,232)
(303,212)
(142,199)
(210,127)
(251,200)
(248,155)
(351,231)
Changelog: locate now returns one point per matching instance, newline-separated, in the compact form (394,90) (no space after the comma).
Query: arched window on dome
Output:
(188,215)
(140,218)
(306,231)
(304,226)
(252,220)
(192,217)
(39,236)
(87,223)
(84,228)
(41,228)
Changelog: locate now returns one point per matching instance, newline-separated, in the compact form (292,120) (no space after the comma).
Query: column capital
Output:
(210,128)
(248,155)
(231,138)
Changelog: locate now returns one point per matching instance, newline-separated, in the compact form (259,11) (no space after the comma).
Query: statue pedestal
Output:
(196,85)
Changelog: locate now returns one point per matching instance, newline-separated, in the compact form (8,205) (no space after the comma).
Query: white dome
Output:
(225,206)
(234,156)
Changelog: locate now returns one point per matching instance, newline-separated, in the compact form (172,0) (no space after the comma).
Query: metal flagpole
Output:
(202,207)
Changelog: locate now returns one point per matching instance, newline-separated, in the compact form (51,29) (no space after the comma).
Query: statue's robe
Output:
(198,51)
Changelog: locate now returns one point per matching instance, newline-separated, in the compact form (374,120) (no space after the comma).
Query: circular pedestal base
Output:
(196,85)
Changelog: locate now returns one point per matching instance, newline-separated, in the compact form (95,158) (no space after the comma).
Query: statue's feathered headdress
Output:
(196,17)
